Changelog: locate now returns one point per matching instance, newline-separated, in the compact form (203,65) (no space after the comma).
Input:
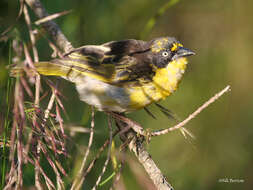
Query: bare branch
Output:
(139,129)
(52,28)
(32,37)
(130,124)
(194,114)
(37,88)
(136,145)
(77,184)
(51,17)
(108,155)
(151,168)
(20,117)
(49,106)
(101,149)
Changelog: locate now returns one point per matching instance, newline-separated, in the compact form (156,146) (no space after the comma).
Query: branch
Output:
(108,155)
(51,27)
(78,181)
(139,129)
(136,145)
(194,114)
(150,166)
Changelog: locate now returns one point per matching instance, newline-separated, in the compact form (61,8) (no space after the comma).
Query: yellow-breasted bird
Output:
(122,76)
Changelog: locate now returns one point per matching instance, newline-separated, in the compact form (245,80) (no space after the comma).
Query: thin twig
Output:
(77,184)
(49,106)
(108,155)
(11,178)
(101,149)
(60,183)
(32,36)
(20,117)
(51,17)
(37,91)
(51,27)
(139,130)
(193,115)
(26,87)
(49,183)
(130,123)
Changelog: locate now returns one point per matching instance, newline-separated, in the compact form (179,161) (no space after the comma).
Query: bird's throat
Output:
(167,79)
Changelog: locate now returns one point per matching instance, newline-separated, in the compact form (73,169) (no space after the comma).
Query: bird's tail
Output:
(52,68)
(43,68)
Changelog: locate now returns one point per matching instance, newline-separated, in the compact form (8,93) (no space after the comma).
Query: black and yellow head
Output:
(167,49)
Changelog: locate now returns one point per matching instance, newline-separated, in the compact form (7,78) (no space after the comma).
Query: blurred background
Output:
(221,34)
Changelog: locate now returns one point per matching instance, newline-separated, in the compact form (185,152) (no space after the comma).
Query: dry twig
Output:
(37,89)
(193,115)
(101,149)
(51,17)
(51,27)
(139,130)
(108,155)
(78,181)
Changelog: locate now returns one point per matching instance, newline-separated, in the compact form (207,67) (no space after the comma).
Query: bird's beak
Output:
(182,52)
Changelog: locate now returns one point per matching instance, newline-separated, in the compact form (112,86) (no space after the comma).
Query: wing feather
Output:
(118,62)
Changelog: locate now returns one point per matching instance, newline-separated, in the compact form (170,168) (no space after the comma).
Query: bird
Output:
(121,76)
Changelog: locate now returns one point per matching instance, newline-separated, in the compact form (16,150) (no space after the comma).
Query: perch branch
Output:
(139,129)
(150,166)
(136,146)
(194,114)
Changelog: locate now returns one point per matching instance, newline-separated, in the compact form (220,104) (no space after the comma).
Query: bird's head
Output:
(167,49)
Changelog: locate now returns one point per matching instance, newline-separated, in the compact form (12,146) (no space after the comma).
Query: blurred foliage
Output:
(219,31)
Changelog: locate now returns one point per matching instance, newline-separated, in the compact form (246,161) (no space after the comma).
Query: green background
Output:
(221,34)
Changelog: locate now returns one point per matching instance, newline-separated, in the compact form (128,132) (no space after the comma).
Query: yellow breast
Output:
(165,82)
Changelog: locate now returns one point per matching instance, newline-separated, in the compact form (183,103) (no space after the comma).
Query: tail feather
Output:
(51,68)
(72,70)
(43,68)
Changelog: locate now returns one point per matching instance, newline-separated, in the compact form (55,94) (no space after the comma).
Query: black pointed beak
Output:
(182,52)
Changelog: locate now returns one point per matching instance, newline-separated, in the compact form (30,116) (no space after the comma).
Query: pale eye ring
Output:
(165,54)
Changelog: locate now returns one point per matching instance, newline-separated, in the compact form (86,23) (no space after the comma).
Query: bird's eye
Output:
(165,54)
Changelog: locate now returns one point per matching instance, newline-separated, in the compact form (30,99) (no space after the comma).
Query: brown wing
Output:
(131,59)
(119,62)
